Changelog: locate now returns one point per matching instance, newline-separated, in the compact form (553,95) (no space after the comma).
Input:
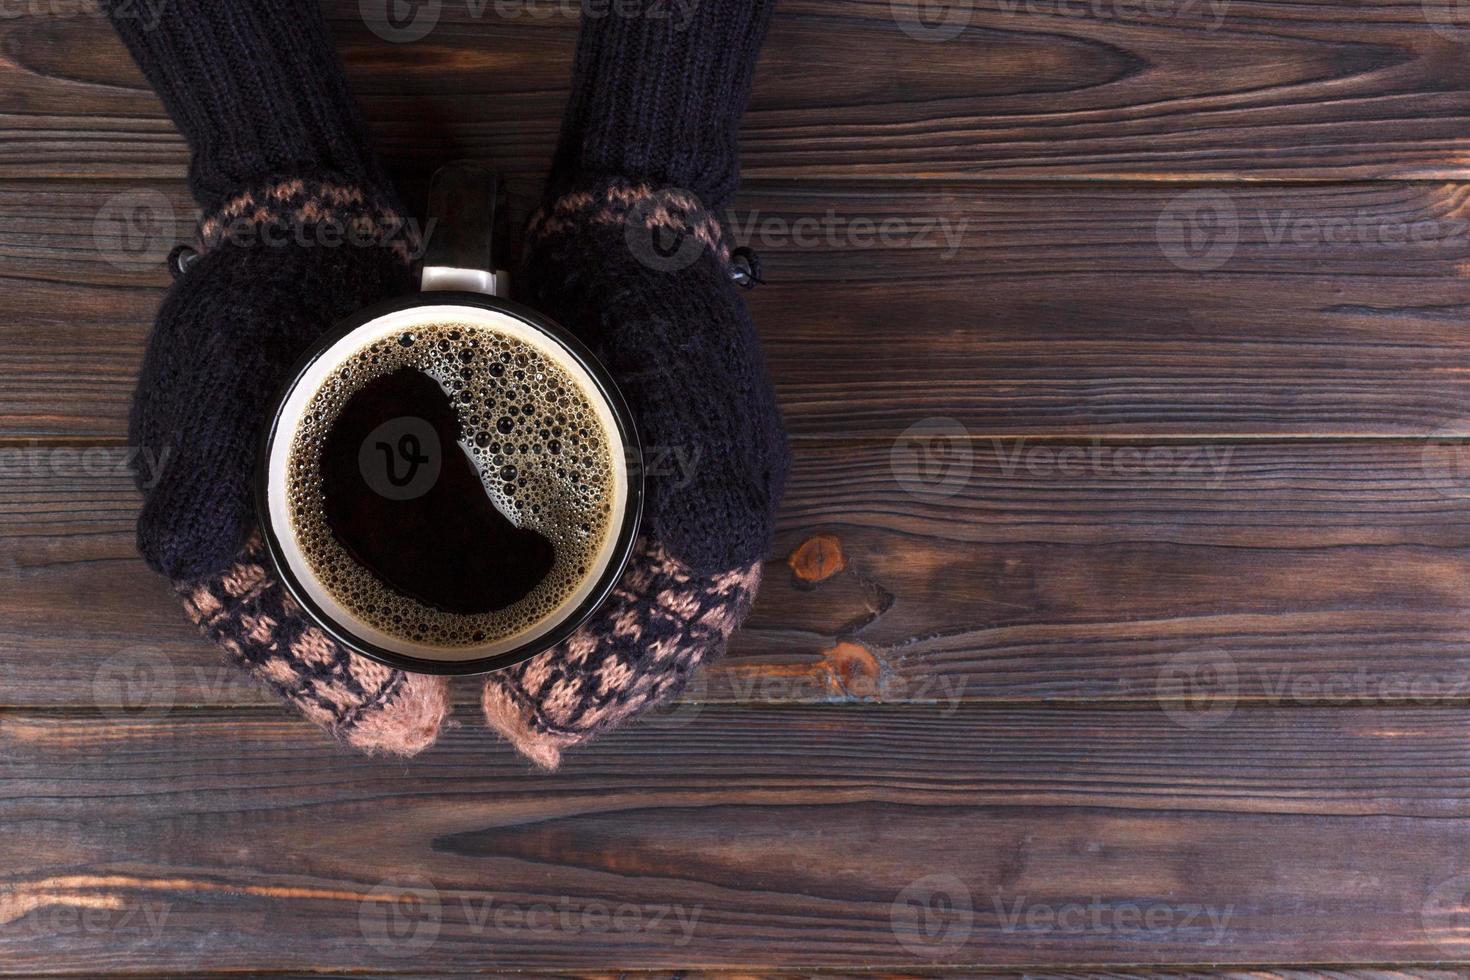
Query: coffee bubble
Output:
(517,407)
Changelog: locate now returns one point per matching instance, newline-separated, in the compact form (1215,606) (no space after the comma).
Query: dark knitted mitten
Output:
(300,227)
(628,252)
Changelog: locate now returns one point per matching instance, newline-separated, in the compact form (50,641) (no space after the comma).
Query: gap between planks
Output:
(985,438)
(1245,702)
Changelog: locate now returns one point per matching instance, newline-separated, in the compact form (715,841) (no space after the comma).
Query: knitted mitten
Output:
(300,227)
(628,252)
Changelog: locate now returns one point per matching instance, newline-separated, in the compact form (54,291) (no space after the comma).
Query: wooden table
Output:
(1119,609)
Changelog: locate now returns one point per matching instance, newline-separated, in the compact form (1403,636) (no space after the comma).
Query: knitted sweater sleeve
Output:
(657,97)
(257,90)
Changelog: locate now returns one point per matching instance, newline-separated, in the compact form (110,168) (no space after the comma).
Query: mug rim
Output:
(632,508)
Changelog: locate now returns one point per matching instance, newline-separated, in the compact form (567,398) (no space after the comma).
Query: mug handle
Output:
(465,204)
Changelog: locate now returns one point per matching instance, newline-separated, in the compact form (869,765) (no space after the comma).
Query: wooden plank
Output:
(1020,310)
(1216,88)
(1257,973)
(1284,573)
(1137,973)
(797,837)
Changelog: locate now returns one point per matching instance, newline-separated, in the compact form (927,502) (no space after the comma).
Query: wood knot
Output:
(817,559)
(852,670)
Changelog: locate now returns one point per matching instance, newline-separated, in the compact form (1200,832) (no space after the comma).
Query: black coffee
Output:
(453,485)
(448,546)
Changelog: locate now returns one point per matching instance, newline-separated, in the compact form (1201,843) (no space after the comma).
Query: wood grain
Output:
(1117,611)
(1285,573)
(1046,310)
(1034,88)
(1257,973)
(1277,972)
(787,836)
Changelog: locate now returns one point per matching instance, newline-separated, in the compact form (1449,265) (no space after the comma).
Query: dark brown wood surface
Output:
(1014,309)
(1321,572)
(1118,620)
(1034,88)
(803,836)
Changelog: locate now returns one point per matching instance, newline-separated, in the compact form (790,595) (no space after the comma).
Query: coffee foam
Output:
(537,440)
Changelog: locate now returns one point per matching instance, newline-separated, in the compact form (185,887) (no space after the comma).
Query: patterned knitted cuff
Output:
(665,228)
(248,613)
(314,214)
(660,624)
